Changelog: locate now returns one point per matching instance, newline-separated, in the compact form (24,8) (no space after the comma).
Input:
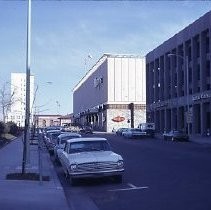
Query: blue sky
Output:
(64,33)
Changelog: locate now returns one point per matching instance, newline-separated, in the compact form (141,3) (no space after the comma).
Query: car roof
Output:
(87,139)
(68,134)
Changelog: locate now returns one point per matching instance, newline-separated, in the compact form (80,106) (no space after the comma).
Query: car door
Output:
(63,156)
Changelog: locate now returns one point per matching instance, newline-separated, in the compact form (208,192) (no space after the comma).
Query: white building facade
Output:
(112,94)
(18,89)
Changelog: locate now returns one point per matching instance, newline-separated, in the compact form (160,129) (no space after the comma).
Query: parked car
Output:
(90,157)
(149,128)
(120,130)
(133,133)
(60,142)
(175,135)
(50,138)
(86,130)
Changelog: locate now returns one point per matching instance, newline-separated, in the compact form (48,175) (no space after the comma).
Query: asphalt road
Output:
(159,175)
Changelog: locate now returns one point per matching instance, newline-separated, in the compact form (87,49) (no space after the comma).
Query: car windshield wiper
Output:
(95,149)
(77,150)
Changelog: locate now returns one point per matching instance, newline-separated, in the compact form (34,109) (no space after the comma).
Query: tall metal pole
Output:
(187,97)
(27,108)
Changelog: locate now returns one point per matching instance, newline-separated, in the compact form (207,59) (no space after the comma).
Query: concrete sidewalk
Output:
(24,194)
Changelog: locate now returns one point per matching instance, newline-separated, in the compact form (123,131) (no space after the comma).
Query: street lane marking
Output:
(132,187)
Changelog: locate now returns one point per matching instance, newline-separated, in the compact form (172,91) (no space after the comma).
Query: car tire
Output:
(73,181)
(51,152)
(57,161)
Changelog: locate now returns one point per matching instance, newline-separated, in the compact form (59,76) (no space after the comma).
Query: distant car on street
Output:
(90,157)
(133,133)
(176,135)
(120,130)
(86,130)
(149,128)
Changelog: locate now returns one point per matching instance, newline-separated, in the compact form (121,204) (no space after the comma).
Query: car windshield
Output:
(88,146)
(55,135)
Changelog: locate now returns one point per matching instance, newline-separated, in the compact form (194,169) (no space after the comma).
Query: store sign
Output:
(159,105)
(201,96)
(118,119)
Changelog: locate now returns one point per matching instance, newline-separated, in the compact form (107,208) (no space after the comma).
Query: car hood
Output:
(96,156)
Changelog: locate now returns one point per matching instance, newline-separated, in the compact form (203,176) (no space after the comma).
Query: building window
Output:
(51,122)
(197,46)
(188,50)
(190,74)
(181,53)
(44,123)
(182,77)
(208,68)
(207,41)
(198,72)
(175,79)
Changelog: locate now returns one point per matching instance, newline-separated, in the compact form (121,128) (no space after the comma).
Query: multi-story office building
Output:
(18,90)
(112,94)
(178,79)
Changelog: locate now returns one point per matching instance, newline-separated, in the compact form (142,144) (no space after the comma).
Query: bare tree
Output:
(7,98)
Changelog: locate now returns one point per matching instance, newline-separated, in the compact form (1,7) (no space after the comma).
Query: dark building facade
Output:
(178,78)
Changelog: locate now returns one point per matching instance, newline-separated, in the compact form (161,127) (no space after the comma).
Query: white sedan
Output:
(133,133)
(61,140)
(90,157)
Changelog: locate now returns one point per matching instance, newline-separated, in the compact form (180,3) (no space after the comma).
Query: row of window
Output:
(166,75)
(126,106)
(14,117)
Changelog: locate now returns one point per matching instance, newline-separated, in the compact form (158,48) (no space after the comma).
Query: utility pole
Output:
(27,108)
(131,107)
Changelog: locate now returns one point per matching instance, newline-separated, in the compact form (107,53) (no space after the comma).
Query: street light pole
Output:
(89,57)
(27,108)
(187,96)
(185,61)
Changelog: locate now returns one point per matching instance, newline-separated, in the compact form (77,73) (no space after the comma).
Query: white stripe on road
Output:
(132,187)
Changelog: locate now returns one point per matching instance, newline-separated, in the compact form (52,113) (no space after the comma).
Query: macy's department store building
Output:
(112,94)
